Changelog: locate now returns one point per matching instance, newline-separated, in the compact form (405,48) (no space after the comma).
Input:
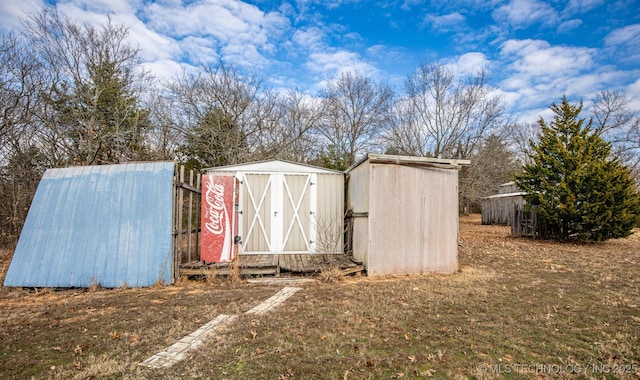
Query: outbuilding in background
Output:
(499,209)
(404,214)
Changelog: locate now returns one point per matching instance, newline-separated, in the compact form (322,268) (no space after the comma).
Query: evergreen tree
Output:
(582,193)
(100,116)
(215,140)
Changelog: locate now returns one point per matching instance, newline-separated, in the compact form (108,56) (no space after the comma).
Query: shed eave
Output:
(521,193)
(442,163)
(273,165)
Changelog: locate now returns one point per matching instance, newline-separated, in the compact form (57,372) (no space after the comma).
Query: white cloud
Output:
(163,70)
(628,34)
(538,59)
(312,38)
(523,13)
(445,22)
(12,12)
(332,63)
(624,43)
(582,6)
(407,5)
(633,91)
(569,25)
(540,73)
(469,64)
(239,32)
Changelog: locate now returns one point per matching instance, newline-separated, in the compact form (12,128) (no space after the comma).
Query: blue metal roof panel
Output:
(110,225)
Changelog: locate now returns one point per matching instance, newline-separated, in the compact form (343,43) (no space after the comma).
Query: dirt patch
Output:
(517,308)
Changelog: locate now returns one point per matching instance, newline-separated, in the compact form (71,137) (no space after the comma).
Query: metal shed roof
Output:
(109,225)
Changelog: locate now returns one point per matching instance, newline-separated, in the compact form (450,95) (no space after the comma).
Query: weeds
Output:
(331,275)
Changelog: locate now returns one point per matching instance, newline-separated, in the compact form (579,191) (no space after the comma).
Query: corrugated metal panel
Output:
(109,225)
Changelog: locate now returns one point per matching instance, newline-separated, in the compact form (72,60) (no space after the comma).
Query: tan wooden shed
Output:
(287,208)
(404,214)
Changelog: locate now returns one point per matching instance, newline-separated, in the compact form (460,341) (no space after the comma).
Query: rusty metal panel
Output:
(107,225)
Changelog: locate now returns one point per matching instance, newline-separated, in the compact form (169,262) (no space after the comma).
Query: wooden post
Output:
(180,209)
(190,216)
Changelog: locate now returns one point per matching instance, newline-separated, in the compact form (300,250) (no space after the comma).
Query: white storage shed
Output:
(285,207)
(405,214)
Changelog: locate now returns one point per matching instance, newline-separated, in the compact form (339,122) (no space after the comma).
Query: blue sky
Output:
(534,51)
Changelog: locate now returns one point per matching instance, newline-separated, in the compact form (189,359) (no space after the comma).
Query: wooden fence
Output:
(527,223)
(186,213)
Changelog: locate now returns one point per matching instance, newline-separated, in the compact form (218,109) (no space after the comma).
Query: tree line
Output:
(78,95)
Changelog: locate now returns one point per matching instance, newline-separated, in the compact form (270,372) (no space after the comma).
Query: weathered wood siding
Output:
(358,203)
(405,216)
(499,209)
(414,219)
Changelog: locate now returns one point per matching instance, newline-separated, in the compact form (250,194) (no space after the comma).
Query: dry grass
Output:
(331,275)
(525,308)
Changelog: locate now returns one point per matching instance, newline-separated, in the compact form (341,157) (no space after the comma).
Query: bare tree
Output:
(164,136)
(519,136)
(492,164)
(442,115)
(356,111)
(289,122)
(619,125)
(21,163)
(216,115)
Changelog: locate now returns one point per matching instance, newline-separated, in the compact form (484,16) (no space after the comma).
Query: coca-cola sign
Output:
(216,209)
(218,218)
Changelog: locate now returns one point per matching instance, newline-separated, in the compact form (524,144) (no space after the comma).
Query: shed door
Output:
(278,213)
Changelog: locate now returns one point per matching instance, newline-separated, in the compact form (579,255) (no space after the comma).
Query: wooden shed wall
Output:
(499,209)
(412,220)
(358,203)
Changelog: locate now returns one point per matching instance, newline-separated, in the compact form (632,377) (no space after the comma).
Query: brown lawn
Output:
(516,309)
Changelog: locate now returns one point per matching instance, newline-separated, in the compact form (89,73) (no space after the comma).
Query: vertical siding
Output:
(413,220)
(329,218)
(499,209)
(110,225)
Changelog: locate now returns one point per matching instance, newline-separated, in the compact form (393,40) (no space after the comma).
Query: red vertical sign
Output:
(218,218)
